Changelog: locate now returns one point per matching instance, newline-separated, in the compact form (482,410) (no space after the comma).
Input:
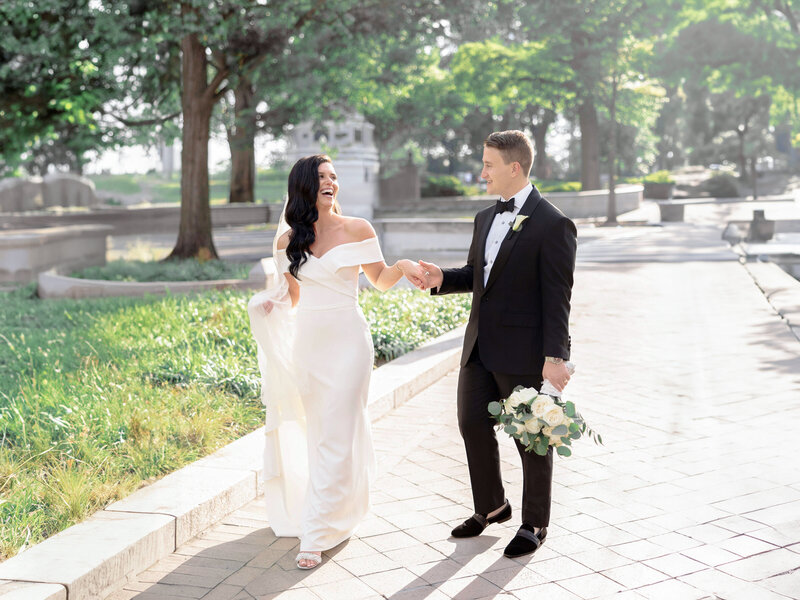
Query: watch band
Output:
(554,359)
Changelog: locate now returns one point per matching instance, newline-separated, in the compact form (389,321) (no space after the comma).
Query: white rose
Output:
(541,406)
(532,426)
(515,399)
(554,416)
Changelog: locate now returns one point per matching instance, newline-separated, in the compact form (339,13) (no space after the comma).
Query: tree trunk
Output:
(194,234)
(541,162)
(611,211)
(742,158)
(590,145)
(241,139)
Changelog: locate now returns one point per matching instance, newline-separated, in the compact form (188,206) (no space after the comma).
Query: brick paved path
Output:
(694,383)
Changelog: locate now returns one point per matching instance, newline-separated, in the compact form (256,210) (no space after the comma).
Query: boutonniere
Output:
(518,223)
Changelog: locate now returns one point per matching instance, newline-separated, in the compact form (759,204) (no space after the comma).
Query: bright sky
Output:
(138,159)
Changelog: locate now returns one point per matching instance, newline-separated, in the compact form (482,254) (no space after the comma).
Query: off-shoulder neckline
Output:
(332,248)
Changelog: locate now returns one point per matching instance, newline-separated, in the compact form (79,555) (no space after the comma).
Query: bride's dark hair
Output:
(301,208)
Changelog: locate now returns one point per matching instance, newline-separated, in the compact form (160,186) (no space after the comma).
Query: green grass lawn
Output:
(270,186)
(100,396)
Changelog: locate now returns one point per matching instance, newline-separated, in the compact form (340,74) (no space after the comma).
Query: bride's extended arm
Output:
(378,274)
(383,277)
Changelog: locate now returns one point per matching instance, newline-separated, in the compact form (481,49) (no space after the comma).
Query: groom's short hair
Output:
(514,146)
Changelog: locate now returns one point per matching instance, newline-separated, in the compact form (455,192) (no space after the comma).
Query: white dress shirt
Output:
(499,229)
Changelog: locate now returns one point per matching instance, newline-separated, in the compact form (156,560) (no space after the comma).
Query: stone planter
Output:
(658,191)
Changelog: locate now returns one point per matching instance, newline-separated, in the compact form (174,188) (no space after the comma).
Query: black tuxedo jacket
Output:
(522,314)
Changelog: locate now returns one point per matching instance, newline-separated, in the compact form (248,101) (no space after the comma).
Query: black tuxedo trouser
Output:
(477,387)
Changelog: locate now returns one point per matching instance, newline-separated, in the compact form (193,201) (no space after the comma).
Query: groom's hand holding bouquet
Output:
(540,419)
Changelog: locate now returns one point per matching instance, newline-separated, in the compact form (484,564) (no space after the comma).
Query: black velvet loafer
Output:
(477,523)
(525,542)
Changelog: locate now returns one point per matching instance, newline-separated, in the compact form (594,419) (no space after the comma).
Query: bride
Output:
(316,357)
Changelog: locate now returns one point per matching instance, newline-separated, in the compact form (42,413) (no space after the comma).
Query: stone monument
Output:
(354,155)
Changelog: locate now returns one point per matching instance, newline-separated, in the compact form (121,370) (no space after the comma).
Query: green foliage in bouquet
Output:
(539,421)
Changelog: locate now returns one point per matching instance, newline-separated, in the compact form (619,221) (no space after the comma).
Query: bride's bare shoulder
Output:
(283,241)
(358,229)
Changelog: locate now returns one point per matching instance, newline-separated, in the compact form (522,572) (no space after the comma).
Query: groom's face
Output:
(498,174)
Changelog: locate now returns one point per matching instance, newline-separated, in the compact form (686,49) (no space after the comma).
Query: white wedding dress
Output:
(316,362)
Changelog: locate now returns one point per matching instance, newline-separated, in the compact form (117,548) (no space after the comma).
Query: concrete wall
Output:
(579,205)
(413,237)
(18,195)
(26,253)
(68,189)
(152,219)
(576,205)
(35,193)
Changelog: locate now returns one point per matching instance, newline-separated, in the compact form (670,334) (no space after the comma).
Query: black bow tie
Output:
(501,207)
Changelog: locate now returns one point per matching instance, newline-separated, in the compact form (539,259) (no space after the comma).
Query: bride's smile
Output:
(328,186)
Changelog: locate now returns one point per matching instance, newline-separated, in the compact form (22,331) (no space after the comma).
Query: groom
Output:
(519,270)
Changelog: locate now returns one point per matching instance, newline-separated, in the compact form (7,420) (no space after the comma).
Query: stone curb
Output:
(781,290)
(90,560)
(52,285)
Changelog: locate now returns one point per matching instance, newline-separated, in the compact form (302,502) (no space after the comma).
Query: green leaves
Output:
(495,408)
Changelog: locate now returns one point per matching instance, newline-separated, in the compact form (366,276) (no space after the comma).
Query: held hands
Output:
(432,276)
(412,271)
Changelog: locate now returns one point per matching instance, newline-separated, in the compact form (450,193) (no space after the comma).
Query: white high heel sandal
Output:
(315,558)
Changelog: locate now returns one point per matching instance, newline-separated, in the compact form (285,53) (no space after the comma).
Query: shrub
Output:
(446,185)
(548,185)
(658,177)
(177,270)
(401,321)
(722,185)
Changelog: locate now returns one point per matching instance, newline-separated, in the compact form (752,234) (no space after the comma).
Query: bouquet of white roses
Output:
(540,420)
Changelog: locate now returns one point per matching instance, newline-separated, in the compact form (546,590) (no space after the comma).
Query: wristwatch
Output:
(554,359)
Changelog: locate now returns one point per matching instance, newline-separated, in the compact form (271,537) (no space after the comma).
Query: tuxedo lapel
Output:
(510,240)
(481,254)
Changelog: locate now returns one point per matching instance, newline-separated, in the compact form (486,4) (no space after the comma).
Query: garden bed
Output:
(98,397)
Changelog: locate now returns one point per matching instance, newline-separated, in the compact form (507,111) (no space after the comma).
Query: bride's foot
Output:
(308,560)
